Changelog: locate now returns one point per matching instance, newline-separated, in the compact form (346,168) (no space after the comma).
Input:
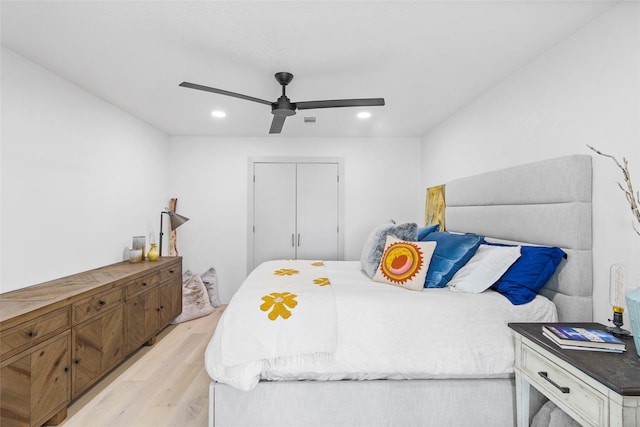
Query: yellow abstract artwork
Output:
(435,207)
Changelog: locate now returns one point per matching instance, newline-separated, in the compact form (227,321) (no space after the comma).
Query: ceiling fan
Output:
(283,107)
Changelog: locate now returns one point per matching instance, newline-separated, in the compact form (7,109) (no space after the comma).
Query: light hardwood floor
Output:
(162,385)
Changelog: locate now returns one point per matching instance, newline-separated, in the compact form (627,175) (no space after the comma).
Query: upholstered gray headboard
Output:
(543,203)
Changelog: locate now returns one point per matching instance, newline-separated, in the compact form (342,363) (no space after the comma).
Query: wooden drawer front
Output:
(90,307)
(143,284)
(580,398)
(30,333)
(171,273)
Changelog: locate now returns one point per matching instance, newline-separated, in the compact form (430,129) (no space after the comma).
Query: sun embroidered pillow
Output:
(375,243)
(404,264)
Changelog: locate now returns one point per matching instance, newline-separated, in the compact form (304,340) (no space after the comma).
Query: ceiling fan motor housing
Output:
(284,107)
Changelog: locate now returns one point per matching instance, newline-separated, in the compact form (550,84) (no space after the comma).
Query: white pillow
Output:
(404,264)
(486,266)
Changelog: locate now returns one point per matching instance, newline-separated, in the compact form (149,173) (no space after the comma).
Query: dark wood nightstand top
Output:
(618,371)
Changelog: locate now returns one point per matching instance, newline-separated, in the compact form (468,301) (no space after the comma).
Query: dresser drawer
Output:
(142,284)
(582,399)
(171,273)
(30,333)
(88,308)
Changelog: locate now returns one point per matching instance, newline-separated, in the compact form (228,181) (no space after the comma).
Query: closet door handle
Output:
(298,239)
(293,242)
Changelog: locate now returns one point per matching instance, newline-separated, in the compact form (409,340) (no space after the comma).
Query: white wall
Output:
(79,177)
(209,178)
(586,90)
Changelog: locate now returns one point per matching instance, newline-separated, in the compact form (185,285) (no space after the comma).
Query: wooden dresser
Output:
(58,338)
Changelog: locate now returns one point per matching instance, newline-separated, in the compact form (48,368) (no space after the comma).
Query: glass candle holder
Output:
(135,255)
(139,242)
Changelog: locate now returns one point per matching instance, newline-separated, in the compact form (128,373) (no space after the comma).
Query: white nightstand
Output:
(594,388)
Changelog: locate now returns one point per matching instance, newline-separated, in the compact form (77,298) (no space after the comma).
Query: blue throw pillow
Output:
(451,253)
(527,276)
(423,231)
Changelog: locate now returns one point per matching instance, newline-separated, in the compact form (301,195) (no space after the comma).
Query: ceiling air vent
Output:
(309,119)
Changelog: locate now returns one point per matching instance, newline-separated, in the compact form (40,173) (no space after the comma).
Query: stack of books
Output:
(583,339)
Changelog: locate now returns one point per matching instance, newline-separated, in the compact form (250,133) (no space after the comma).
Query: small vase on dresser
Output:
(153,253)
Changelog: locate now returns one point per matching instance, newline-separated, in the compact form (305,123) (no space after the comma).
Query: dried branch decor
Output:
(632,197)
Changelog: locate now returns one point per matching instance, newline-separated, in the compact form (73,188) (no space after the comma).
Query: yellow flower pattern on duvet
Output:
(286,272)
(278,302)
(322,281)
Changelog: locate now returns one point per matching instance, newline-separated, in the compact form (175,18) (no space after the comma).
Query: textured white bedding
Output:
(386,332)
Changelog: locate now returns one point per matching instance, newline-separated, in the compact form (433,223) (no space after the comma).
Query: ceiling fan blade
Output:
(223,92)
(276,123)
(366,102)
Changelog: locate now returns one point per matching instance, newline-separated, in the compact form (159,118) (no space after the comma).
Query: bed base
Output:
(446,402)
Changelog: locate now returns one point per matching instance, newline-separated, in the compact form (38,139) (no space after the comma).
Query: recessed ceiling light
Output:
(364,115)
(219,114)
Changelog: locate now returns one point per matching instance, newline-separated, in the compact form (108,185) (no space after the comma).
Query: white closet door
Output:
(274,211)
(317,211)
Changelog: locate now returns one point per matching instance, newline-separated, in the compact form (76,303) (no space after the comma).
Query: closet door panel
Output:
(274,210)
(317,211)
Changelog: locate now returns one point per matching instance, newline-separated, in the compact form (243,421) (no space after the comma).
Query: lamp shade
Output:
(176,220)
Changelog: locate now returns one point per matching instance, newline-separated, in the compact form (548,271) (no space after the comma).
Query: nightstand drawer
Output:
(567,389)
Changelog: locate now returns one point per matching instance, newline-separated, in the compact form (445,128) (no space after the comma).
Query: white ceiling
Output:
(426,58)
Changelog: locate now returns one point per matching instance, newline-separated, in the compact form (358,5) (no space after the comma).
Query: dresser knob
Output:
(102,302)
(77,361)
(33,334)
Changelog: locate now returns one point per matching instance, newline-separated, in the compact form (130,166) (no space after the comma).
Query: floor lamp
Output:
(175,221)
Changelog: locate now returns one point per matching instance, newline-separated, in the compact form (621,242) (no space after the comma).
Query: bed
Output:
(327,379)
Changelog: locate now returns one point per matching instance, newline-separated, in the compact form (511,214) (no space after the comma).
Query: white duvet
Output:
(387,332)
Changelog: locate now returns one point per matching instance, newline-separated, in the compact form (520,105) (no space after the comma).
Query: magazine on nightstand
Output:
(583,339)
